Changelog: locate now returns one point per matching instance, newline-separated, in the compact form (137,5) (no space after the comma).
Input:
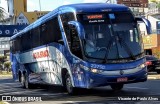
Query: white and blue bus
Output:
(81,46)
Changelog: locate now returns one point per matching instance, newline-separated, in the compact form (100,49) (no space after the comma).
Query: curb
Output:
(153,77)
(5,75)
(6,103)
(2,102)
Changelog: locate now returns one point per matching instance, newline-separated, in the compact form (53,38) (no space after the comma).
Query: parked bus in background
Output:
(81,45)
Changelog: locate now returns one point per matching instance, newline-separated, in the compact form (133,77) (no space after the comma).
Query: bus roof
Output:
(79,8)
(96,7)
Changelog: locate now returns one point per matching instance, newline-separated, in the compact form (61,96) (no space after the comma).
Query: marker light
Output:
(142,66)
(148,63)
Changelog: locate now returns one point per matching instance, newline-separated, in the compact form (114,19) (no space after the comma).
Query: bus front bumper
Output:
(95,80)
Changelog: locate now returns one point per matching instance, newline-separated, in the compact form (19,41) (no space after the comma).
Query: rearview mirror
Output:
(79,28)
(146,22)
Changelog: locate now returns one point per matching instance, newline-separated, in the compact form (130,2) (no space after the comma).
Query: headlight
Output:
(93,70)
(142,66)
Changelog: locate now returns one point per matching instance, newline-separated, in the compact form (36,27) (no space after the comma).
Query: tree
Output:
(2,60)
(154,1)
(7,65)
(157,2)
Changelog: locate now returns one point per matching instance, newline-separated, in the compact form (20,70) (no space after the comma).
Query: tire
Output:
(22,80)
(116,87)
(27,85)
(68,84)
(158,71)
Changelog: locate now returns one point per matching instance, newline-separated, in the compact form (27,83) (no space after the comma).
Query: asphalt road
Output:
(138,93)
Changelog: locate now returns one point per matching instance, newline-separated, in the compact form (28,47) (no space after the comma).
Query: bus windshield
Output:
(111,36)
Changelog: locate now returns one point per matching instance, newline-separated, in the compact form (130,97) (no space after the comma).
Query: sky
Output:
(49,5)
(3,3)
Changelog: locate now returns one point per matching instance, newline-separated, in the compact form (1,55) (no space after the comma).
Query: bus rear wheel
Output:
(22,80)
(68,84)
(27,85)
(117,87)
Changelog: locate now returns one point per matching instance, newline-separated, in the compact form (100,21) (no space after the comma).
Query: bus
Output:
(82,45)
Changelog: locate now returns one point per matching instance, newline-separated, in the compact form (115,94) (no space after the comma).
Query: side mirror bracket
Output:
(147,23)
(79,28)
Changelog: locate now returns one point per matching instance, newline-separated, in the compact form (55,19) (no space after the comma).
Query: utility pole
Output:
(108,1)
(40,5)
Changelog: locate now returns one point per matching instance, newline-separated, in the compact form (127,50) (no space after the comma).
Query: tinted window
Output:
(50,31)
(121,17)
(151,58)
(75,42)
(36,37)
(26,41)
(65,19)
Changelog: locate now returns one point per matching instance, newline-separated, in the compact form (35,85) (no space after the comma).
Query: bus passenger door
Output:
(76,50)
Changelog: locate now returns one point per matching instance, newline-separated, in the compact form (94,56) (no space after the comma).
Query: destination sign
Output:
(94,16)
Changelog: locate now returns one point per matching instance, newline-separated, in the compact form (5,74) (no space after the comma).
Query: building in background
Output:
(139,7)
(18,14)
(16,18)
(149,9)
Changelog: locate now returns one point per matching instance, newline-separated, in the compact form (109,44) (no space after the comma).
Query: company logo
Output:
(6,98)
(121,72)
(21,98)
(41,54)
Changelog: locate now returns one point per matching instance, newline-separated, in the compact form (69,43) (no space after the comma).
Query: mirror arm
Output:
(147,23)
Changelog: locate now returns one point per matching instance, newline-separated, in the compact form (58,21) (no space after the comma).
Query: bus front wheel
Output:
(116,87)
(68,84)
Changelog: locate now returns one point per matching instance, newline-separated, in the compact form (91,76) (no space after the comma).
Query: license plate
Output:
(124,79)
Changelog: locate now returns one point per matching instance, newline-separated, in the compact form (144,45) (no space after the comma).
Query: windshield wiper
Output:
(108,49)
(123,43)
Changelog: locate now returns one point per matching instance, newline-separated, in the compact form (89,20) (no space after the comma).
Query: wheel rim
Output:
(69,85)
(22,80)
(26,82)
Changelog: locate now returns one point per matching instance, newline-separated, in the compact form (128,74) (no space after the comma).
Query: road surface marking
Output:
(137,88)
(152,78)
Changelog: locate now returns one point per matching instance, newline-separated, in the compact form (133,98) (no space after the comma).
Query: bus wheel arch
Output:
(27,84)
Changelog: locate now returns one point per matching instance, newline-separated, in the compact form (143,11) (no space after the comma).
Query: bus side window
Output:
(75,42)
(66,17)
(35,37)
(50,31)
(17,44)
(13,45)
(26,45)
